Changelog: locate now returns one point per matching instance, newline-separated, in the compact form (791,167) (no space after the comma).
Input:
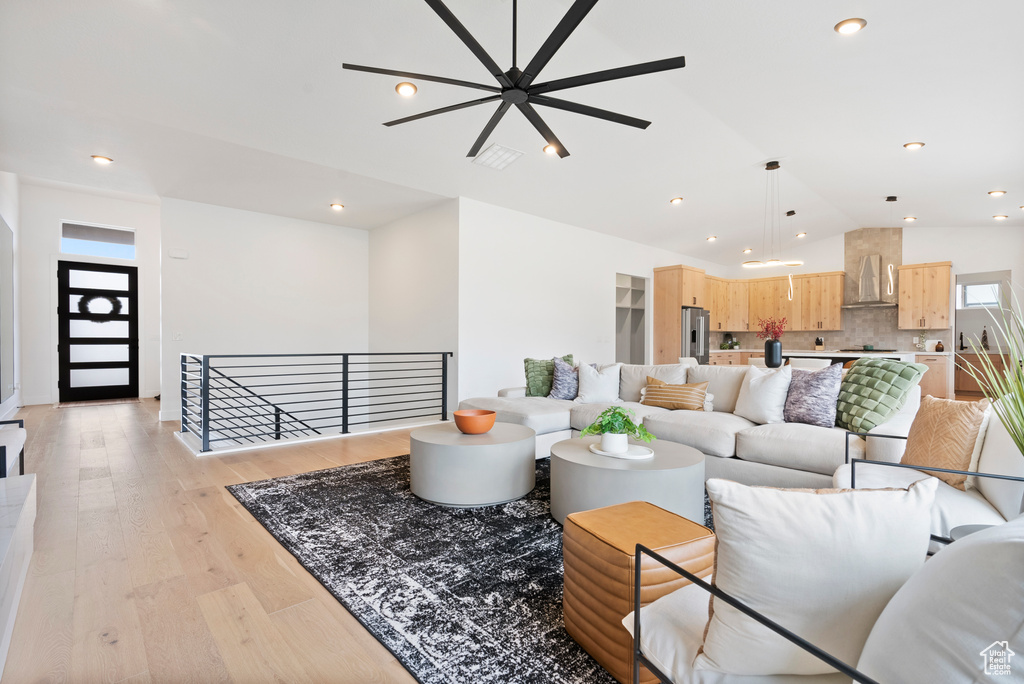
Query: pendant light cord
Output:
(515,13)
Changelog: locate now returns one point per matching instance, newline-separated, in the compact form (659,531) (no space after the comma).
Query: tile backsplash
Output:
(877,327)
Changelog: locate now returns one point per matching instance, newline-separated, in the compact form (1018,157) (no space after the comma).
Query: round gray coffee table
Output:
(581,480)
(450,468)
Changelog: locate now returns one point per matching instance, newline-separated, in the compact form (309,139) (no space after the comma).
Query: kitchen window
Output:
(977,295)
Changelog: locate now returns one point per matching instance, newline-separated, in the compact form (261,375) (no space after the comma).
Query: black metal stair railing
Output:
(239,399)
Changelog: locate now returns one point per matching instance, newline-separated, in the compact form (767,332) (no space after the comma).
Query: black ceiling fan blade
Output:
(565,27)
(421,77)
(466,37)
(610,75)
(589,111)
(533,117)
(443,110)
(488,129)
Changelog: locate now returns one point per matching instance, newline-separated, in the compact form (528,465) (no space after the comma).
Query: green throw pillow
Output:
(873,391)
(539,375)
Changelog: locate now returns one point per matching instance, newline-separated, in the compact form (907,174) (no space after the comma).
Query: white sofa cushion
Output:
(712,432)
(633,378)
(963,601)
(1001,456)
(762,396)
(599,384)
(797,445)
(541,414)
(671,631)
(823,563)
(723,381)
(952,506)
(582,415)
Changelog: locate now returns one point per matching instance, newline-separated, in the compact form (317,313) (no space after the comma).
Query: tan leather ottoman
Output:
(597,550)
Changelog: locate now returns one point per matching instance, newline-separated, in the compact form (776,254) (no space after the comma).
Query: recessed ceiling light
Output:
(909,219)
(913,145)
(801,234)
(996,193)
(99,159)
(848,26)
(550,149)
(712,238)
(337,207)
(405,89)
(1000,217)
(747,250)
(676,200)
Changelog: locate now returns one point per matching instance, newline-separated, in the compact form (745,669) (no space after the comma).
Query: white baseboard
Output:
(169,416)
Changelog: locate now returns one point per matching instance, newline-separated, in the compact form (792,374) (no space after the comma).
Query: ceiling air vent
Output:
(497,157)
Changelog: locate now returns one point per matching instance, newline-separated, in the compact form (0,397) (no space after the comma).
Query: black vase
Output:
(773,353)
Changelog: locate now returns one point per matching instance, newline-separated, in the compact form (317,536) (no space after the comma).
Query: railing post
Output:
(277,422)
(344,394)
(444,385)
(184,395)
(205,402)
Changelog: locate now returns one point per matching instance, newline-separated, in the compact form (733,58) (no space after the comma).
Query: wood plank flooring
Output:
(146,570)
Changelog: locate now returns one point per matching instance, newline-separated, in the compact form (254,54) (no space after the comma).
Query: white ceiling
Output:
(245,104)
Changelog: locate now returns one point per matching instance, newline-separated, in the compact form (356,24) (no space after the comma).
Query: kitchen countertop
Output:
(834,352)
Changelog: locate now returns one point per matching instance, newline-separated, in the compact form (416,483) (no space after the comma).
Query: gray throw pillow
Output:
(812,396)
(566,381)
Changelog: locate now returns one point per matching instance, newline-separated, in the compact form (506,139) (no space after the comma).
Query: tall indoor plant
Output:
(771,332)
(616,426)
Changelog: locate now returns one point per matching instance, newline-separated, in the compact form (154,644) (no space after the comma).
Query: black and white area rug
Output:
(458,595)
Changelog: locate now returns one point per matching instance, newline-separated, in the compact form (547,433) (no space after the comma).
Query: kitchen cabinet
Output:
(727,302)
(725,358)
(924,296)
(966,386)
(821,301)
(935,381)
(674,288)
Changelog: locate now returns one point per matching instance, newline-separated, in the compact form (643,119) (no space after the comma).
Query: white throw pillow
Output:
(599,386)
(762,397)
(955,614)
(822,563)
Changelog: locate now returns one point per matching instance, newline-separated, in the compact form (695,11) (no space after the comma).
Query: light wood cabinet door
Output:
(783,306)
(667,310)
(736,302)
(692,287)
(759,302)
(924,296)
(821,301)
(716,297)
(935,382)
(962,380)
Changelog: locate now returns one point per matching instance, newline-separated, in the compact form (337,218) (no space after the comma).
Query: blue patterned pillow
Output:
(813,395)
(566,381)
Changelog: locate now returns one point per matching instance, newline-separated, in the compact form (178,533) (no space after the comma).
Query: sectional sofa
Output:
(775,454)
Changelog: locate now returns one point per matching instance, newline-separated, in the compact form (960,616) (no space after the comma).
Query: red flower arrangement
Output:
(771,329)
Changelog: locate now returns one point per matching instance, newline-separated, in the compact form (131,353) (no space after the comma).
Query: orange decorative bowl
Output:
(474,421)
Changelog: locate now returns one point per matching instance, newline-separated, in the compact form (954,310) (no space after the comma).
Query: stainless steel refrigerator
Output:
(696,333)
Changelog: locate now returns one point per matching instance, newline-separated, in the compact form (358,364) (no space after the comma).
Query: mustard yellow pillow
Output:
(680,397)
(943,435)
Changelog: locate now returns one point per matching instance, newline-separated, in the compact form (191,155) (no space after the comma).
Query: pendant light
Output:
(772,230)
(890,288)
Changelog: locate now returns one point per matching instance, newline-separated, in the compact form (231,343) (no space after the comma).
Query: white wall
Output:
(530,287)
(42,210)
(257,284)
(414,285)
(9,198)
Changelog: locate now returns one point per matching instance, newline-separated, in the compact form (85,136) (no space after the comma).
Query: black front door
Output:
(98,331)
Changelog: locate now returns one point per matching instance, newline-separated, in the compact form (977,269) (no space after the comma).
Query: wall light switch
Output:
(177,337)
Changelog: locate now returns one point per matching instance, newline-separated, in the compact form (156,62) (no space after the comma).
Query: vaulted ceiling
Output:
(245,104)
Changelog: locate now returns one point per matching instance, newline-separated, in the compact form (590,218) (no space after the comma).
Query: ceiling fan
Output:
(516,87)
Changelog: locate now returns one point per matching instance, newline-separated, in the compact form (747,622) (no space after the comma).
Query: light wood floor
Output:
(146,570)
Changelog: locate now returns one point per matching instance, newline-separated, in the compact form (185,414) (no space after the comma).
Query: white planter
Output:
(614,444)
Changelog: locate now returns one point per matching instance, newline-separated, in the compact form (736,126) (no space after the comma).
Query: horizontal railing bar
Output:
(318,355)
(303,365)
(321,382)
(433,371)
(270,434)
(386,420)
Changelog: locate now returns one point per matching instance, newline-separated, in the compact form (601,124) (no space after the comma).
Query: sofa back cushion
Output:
(1001,456)
(875,390)
(723,382)
(953,616)
(633,378)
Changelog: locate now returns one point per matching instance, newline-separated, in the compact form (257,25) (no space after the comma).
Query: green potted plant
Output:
(616,426)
